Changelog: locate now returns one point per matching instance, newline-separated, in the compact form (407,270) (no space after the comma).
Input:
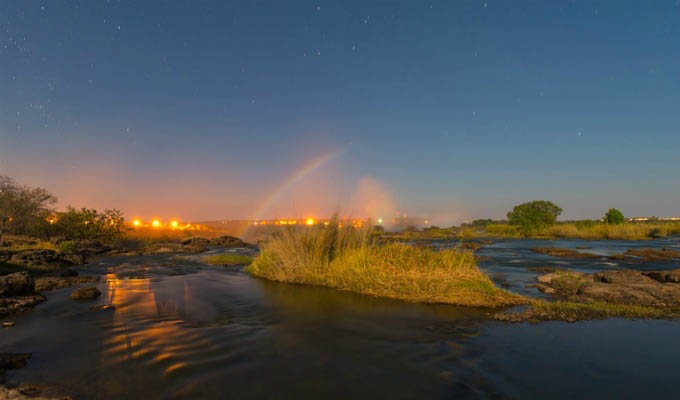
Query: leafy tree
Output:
(88,224)
(534,216)
(23,209)
(614,217)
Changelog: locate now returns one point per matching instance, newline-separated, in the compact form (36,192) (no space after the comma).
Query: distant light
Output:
(136,222)
(156,223)
(310,221)
(174,224)
(380,220)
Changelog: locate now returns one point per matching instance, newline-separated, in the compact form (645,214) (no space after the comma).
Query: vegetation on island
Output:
(348,258)
(228,259)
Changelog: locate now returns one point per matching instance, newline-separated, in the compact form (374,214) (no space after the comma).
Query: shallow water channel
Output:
(181,329)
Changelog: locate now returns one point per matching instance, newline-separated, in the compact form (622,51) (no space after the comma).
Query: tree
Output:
(88,224)
(23,209)
(534,216)
(614,217)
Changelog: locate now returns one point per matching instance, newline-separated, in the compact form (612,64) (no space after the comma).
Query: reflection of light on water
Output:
(147,326)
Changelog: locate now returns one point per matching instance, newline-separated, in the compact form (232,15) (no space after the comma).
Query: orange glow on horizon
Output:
(310,221)
(156,223)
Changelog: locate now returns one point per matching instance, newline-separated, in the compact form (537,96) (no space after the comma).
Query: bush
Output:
(88,224)
(614,217)
(534,216)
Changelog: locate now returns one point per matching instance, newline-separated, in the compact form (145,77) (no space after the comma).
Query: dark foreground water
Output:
(183,330)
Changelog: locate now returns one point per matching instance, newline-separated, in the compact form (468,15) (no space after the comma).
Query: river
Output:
(181,330)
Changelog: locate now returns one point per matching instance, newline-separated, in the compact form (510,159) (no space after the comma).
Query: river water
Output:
(183,330)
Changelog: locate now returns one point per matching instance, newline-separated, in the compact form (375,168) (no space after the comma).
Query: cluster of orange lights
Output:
(157,223)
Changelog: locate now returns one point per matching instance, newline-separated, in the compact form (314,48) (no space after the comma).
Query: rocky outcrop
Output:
(41,257)
(630,287)
(653,254)
(15,304)
(229,241)
(86,293)
(28,392)
(53,282)
(16,284)
(565,253)
(17,293)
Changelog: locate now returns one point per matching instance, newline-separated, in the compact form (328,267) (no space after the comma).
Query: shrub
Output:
(88,224)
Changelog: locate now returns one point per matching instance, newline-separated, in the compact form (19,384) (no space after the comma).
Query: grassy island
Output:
(351,259)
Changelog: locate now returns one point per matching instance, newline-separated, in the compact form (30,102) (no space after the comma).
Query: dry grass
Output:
(228,259)
(349,259)
(625,231)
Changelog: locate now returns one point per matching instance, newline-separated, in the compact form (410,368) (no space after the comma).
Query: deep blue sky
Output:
(449,109)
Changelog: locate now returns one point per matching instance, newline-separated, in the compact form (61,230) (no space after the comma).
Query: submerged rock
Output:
(653,254)
(565,253)
(11,361)
(86,293)
(15,304)
(53,282)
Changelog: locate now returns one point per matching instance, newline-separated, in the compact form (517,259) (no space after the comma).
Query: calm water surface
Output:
(183,330)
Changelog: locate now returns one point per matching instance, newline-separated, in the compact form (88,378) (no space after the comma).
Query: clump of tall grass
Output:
(352,259)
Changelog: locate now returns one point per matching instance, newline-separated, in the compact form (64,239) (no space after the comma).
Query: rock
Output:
(229,241)
(42,257)
(69,272)
(653,254)
(671,276)
(565,253)
(16,284)
(28,392)
(11,305)
(52,282)
(86,293)
(622,277)
(630,287)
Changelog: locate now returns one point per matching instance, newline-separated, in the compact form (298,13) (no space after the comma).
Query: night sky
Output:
(453,109)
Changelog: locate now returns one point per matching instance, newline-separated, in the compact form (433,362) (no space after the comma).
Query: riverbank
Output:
(583,230)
